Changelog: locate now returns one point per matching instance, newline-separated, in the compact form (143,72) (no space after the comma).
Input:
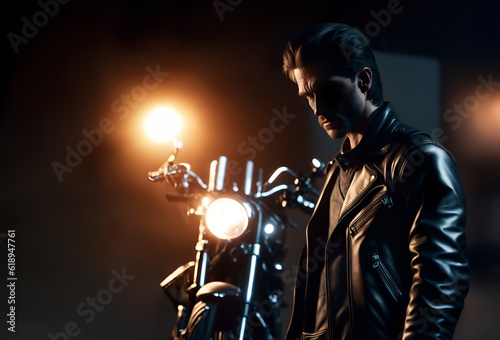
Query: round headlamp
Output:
(226,218)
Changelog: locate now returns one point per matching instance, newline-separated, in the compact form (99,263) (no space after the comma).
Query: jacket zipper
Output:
(386,276)
(329,323)
(385,201)
(357,201)
(349,285)
(353,205)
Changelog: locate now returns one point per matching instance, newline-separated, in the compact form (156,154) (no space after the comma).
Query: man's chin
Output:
(335,134)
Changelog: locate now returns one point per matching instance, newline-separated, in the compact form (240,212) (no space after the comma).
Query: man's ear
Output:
(364,79)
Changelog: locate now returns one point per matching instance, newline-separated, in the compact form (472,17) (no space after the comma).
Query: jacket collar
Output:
(375,139)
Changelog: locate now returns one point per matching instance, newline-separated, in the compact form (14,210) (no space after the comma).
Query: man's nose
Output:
(313,105)
(320,106)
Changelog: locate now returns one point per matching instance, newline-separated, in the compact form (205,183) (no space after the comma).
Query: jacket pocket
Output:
(386,276)
(383,202)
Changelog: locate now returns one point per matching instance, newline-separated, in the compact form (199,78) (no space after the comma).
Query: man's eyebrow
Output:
(328,82)
(307,91)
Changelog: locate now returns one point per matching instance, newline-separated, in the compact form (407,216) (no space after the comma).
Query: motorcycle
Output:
(233,288)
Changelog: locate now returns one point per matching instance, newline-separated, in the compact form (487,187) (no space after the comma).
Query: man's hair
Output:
(341,45)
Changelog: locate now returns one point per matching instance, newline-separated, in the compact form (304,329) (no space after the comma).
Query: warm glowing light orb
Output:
(226,218)
(162,124)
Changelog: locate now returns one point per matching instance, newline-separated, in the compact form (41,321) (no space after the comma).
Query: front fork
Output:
(252,273)
(249,290)
(201,264)
(199,280)
(201,267)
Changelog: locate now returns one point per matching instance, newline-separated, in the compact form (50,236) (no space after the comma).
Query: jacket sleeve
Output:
(440,271)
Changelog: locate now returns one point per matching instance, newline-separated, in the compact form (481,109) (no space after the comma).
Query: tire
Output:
(206,323)
(202,320)
(203,324)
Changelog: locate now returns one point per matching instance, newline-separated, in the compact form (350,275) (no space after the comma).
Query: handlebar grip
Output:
(155,176)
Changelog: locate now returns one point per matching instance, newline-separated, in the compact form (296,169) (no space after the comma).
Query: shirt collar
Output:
(349,158)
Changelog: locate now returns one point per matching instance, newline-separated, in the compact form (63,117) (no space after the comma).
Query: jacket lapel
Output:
(361,183)
(326,191)
(316,225)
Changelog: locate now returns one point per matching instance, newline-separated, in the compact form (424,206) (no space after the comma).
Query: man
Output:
(384,256)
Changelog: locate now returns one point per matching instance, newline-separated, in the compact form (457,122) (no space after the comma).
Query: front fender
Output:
(225,300)
(218,292)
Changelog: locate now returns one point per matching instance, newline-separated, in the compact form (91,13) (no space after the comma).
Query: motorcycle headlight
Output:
(226,218)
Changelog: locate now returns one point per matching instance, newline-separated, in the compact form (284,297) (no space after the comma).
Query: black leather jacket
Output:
(403,222)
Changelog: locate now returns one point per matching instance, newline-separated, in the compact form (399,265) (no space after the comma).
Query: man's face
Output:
(336,100)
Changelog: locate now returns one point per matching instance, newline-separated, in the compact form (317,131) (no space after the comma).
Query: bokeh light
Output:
(162,124)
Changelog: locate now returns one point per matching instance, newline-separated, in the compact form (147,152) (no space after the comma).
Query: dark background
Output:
(225,78)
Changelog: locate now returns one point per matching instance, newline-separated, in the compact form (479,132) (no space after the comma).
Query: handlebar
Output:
(277,189)
(278,172)
(180,170)
(290,195)
(300,194)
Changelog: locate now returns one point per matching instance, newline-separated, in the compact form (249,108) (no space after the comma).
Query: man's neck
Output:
(358,130)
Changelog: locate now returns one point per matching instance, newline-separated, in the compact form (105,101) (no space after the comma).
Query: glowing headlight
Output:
(226,218)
